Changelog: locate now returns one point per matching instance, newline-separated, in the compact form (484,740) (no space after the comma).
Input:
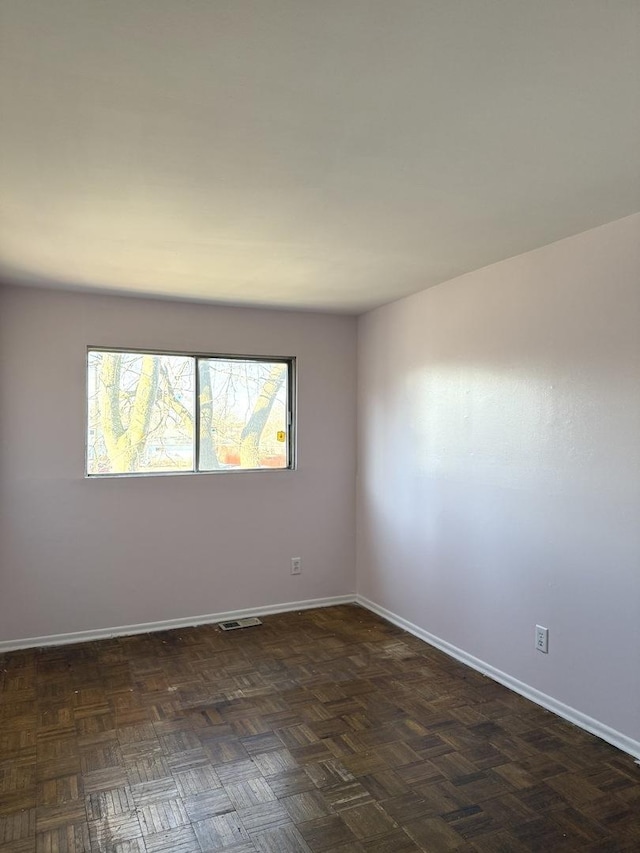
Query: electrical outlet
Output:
(542,639)
(296,565)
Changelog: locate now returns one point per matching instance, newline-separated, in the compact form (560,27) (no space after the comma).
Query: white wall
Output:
(80,554)
(499,467)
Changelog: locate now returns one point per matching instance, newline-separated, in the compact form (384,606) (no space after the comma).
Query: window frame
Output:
(292,409)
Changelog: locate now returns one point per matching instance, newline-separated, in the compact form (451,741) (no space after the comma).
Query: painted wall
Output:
(499,467)
(80,554)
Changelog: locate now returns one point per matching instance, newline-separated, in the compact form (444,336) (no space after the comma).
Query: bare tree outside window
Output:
(243,414)
(143,411)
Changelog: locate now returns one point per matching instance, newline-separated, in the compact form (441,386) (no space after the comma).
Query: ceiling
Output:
(320,154)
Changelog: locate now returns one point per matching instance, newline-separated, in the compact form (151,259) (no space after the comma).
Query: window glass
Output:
(243,414)
(141,415)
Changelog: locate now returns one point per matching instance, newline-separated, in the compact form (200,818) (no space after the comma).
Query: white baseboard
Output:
(595,727)
(168,624)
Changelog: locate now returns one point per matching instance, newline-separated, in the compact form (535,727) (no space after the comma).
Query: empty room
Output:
(319,426)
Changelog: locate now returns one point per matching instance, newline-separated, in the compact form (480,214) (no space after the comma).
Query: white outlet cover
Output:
(542,639)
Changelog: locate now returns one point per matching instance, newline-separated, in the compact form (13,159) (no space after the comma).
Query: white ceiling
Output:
(324,154)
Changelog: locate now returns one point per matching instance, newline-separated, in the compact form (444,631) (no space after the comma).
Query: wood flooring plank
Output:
(207,804)
(368,820)
(285,839)
(249,793)
(306,806)
(396,842)
(179,840)
(114,829)
(325,832)
(220,831)
(18,826)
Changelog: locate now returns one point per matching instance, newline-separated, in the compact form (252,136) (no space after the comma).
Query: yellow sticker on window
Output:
(281,435)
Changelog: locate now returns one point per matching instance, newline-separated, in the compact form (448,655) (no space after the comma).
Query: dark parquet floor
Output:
(327,730)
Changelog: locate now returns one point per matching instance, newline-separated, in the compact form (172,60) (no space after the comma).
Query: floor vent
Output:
(249,622)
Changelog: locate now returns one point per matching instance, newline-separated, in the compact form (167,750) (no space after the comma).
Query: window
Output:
(154,413)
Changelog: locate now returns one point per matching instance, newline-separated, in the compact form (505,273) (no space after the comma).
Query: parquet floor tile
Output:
(327,731)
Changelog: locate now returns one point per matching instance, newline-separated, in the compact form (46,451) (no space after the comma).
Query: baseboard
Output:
(594,727)
(168,624)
